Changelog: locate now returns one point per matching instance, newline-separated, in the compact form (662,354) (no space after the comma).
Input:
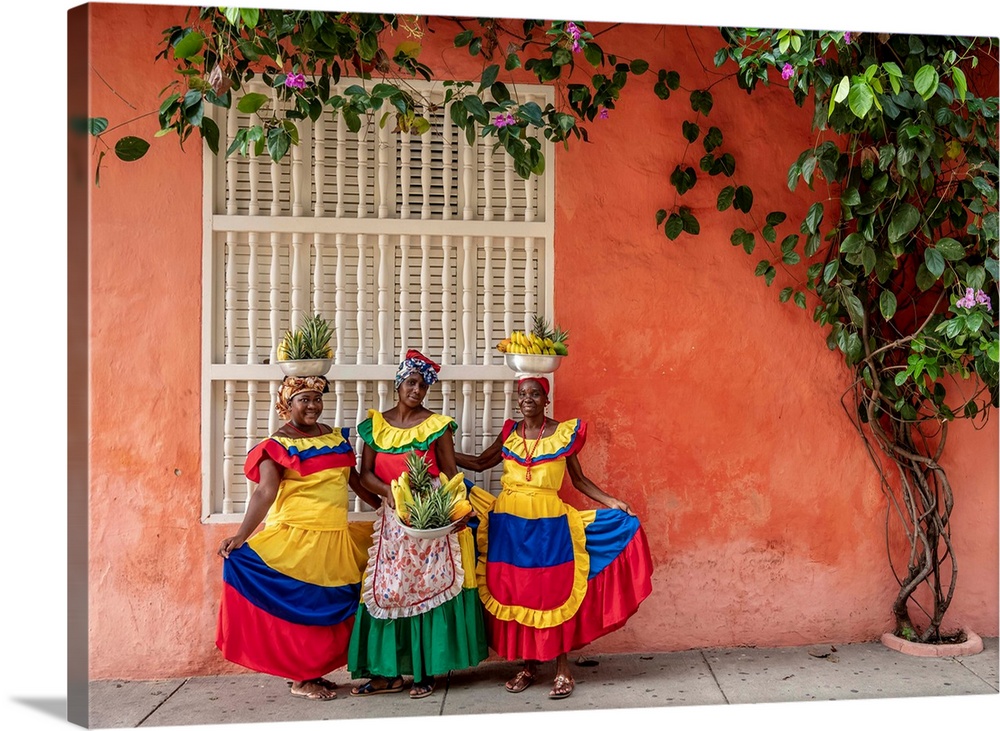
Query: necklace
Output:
(291,425)
(529,453)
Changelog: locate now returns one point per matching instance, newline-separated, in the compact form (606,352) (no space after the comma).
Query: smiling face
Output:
(412,390)
(531,398)
(306,407)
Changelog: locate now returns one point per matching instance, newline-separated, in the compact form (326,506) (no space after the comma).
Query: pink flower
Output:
(603,114)
(847,37)
(295,81)
(504,119)
(573,30)
(821,61)
(787,71)
(576,46)
(974,297)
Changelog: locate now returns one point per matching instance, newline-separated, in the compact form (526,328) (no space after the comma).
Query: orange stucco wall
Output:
(713,407)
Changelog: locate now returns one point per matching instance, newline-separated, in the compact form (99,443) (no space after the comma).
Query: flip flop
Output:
(422,690)
(393,685)
(562,687)
(312,695)
(520,682)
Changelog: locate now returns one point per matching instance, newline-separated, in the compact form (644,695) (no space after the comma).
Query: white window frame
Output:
(316,220)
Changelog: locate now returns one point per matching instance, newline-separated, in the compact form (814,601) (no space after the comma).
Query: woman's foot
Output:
(422,689)
(317,689)
(562,687)
(521,681)
(379,685)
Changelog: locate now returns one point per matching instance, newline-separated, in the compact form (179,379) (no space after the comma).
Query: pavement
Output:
(805,678)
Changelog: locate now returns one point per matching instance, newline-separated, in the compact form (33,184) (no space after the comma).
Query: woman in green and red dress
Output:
(420,612)
(552,578)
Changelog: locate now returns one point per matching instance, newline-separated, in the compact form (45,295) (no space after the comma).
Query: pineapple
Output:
(309,341)
(429,505)
(560,341)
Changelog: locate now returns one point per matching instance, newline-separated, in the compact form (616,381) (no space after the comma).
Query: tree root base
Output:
(973,645)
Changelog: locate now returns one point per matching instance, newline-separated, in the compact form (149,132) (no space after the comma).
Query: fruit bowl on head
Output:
(306,367)
(531,364)
(428,533)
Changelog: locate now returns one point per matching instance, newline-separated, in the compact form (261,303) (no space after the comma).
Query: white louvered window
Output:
(401,242)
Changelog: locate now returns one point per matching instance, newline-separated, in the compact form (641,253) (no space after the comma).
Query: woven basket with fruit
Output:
(426,509)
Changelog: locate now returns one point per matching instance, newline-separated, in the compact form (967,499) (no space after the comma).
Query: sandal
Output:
(422,690)
(319,692)
(392,685)
(562,687)
(521,681)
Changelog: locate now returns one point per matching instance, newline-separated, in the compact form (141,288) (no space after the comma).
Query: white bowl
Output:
(313,367)
(428,532)
(531,363)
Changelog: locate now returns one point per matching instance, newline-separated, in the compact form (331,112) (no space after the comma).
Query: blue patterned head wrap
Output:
(417,362)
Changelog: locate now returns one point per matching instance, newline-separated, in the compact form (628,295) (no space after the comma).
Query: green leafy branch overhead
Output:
(303,56)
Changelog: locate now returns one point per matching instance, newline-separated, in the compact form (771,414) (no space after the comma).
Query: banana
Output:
(401,495)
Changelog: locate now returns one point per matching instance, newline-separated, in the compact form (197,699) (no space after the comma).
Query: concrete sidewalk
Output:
(693,678)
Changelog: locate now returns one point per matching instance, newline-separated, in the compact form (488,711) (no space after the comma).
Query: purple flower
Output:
(603,114)
(504,119)
(847,37)
(572,29)
(821,61)
(295,81)
(577,47)
(974,297)
(787,71)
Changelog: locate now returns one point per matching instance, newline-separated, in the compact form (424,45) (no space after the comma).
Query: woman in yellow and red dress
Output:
(552,578)
(290,591)
(420,613)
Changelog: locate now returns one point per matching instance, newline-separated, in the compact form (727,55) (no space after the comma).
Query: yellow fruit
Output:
(460,509)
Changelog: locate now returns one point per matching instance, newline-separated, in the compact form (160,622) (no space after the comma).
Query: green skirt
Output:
(449,637)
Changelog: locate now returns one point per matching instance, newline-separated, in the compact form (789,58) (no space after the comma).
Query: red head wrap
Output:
(542,381)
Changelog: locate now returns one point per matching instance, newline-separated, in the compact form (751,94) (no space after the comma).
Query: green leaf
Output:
(887,304)
(743,199)
(950,249)
(278,142)
(852,244)
(925,81)
(475,107)
(489,76)
(934,262)
(97,125)
(725,198)
(903,221)
(785,294)
(830,271)
(512,62)
(925,280)
(961,85)
(251,16)
(463,38)
(814,217)
(800,299)
(860,99)
(251,102)
(854,308)
(130,148)
(189,45)
(210,133)
(690,130)
(638,66)
(674,227)
(993,350)
(868,259)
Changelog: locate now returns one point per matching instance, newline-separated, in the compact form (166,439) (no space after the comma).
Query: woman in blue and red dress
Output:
(552,578)
(290,591)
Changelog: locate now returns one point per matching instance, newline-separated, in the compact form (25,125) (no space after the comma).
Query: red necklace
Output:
(529,453)
(294,428)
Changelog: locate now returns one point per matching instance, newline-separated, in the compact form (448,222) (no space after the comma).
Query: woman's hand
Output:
(229,545)
(613,502)
(463,522)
